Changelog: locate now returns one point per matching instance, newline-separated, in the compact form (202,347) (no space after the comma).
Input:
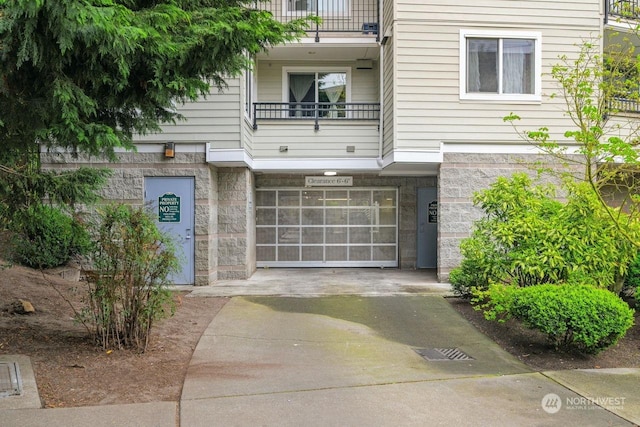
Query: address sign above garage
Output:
(328,181)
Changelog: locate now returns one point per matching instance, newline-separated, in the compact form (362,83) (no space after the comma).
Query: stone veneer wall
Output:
(407,203)
(461,175)
(236,224)
(126,185)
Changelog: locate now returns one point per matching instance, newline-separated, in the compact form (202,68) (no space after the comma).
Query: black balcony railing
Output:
(624,105)
(622,9)
(316,111)
(337,16)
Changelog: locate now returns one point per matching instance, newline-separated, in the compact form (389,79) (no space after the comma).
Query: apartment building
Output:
(361,144)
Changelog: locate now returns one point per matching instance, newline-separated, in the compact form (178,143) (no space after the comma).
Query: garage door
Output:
(328,227)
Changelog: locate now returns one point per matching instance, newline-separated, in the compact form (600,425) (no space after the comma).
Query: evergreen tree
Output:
(87,75)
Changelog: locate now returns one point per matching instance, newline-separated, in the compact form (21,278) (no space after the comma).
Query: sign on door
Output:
(169,208)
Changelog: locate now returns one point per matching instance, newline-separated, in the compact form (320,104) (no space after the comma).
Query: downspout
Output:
(317,12)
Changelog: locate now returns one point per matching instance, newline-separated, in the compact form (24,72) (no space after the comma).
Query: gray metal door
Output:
(427,251)
(172,201)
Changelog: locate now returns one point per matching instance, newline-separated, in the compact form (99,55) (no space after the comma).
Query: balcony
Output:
(625,105)
(616,10)
(300,132)
(357,17)
(315,112)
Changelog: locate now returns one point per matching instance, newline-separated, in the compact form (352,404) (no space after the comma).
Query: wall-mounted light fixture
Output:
(169,150)
(284,148)
(330,173)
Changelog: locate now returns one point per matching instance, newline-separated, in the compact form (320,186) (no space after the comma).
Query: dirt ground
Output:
(532,348)
(71,371)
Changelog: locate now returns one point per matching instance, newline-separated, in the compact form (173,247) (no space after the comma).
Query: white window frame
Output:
(502,97)
(287,70)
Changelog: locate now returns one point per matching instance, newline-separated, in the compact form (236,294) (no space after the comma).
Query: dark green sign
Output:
(168,208)
(433,212)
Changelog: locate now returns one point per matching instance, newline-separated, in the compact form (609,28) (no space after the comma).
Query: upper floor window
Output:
(501,66)
(319,7)
(307,90)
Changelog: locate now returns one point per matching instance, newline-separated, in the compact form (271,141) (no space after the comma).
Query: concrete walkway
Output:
(342,347)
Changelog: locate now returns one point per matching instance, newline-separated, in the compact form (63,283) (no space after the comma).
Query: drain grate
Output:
(442,354)
(10,381)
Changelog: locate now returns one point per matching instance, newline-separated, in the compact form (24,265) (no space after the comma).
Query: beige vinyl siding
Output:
(269,81)
(388,16)
(388,86)
(388,98)
(427,107)
(535,13)
(330,141)
(247,136)
(246,124)
(364,83)
(214,119)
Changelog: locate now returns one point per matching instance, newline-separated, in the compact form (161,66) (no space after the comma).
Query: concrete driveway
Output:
(301,282)
(355,360)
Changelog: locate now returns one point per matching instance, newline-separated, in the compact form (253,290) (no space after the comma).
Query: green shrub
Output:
(495,301)
(580,316)
(527,238)
(46,237)
(632,279)
(471,274)
(128,292)
(598,250)
(513,237)
(462,280)
(631,288)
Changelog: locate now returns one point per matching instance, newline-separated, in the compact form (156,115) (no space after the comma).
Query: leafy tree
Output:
(23,185)
(599,88)
(86,75)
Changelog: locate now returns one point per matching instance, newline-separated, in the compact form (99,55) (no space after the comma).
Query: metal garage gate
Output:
(327,227)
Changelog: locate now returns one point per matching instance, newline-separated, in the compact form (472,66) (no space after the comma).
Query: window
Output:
(503,66)
(319,7)
(324,91)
